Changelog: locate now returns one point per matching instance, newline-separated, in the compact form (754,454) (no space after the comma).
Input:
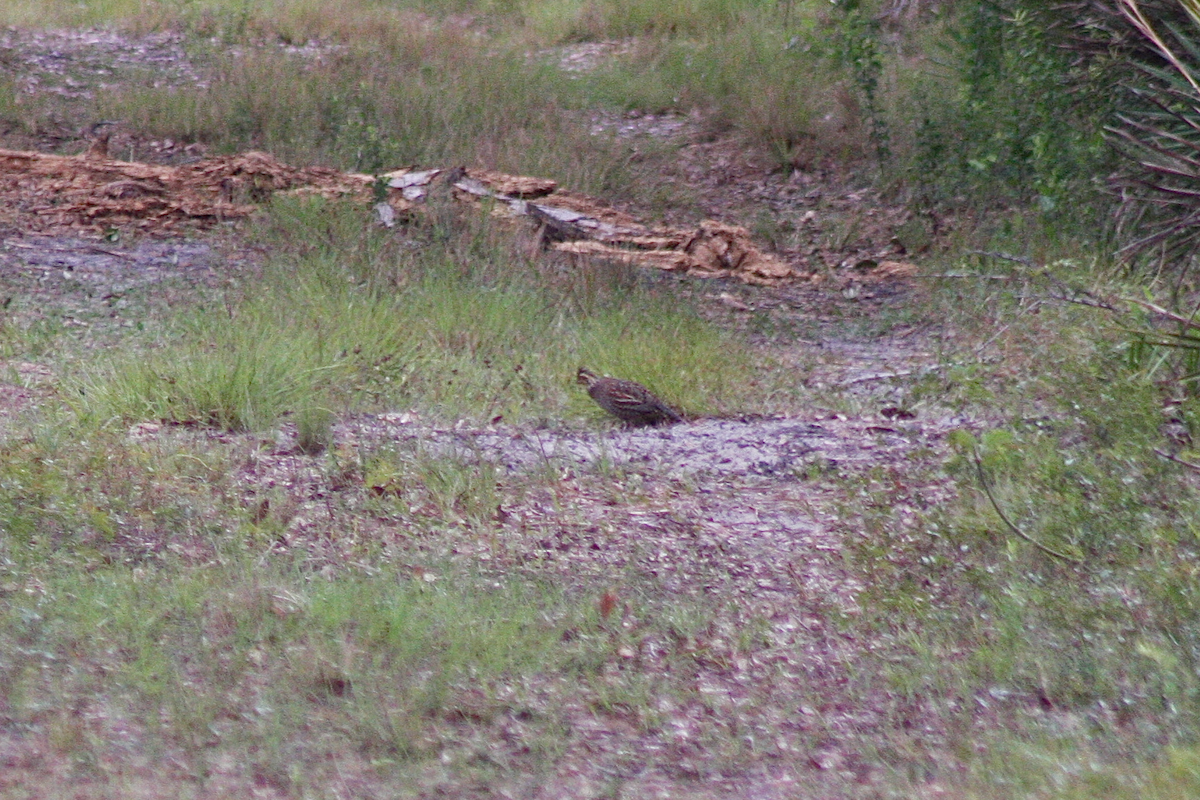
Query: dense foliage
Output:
(1085,108)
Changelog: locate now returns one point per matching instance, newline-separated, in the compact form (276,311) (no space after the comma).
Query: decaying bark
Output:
(94,193)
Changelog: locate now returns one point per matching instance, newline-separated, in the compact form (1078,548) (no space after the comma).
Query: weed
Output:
(458,487)
(603,19)
(1004,623)
(858,49)
(1001,126)
(314,429)
(10,108)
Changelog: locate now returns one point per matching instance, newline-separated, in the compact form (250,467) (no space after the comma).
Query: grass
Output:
(393,89)
(812,84)
(228,19)
(617,19)
(410,99)
(168,600)
(299,20)
(756,78)
(477,335)
(145,620)
(279,672)
(980,615)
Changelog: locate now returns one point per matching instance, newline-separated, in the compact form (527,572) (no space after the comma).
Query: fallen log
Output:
(94,193)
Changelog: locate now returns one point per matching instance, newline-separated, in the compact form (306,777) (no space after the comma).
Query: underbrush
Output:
(454,321)
(1055,602)
(1000,118)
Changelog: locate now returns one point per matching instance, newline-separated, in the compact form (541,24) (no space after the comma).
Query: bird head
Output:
(585,377)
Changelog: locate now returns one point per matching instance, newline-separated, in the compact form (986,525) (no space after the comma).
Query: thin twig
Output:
(1087,302)
(988,491)
(91,248)
(198,460)
(883,376)
(1067,292)
(1030,309)
(1188,322)
(542,452)
(1178,460)
(1029,262)
(963,276)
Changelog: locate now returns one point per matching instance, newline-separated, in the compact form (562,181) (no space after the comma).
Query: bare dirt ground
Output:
(747,515)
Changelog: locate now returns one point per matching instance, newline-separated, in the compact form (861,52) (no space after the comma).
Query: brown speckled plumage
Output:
(628,401)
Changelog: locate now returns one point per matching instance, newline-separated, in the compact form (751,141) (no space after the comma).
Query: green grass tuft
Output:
(463,327)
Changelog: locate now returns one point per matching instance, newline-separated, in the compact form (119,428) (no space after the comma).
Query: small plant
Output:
(859,51)
(314,429)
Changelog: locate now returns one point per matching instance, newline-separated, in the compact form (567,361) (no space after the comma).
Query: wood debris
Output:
(581,225)
(94,193)
(45,193)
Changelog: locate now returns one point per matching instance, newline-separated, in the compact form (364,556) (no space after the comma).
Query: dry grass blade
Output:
(1164,454)
(1189,322)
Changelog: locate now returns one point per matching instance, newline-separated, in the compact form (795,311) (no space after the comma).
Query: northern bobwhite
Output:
(628,401)
(98,135)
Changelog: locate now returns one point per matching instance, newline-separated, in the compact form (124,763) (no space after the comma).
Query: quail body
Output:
(98,135)
(628,401)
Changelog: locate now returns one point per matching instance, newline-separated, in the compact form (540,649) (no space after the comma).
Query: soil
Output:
(745,514)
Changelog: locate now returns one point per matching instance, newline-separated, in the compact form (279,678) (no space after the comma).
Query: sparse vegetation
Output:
(272,675)
(335,519)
